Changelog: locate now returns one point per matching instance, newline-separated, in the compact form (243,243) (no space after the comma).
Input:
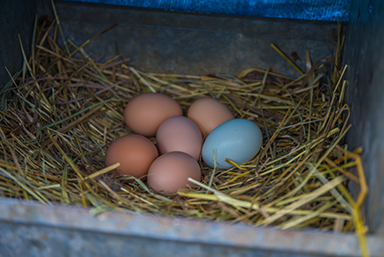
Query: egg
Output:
(239,140)
(170,172)
(179,133)
(209,113)
(135,153)
(144,113)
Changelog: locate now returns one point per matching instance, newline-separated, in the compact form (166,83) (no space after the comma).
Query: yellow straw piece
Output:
(287,59)
(103,171)
(234,164)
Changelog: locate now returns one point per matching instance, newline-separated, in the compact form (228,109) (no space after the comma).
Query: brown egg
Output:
(144,113)
(209,113)
(171,171)
(135,154)
(179,133)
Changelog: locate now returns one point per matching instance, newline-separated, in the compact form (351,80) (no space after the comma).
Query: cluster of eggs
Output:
(179,140)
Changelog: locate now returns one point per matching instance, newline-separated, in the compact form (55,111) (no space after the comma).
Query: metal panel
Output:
(325,10)
(33,229)
(160,41)
(16,17)
(365,94)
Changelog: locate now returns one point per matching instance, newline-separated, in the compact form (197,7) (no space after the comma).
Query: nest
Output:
(63,109)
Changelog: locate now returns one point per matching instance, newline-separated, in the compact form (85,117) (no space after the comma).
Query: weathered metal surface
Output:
(328,10)
(13,21)
(187,43)
(365,94)
(33,229)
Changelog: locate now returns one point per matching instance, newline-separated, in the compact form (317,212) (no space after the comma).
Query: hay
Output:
(60,113)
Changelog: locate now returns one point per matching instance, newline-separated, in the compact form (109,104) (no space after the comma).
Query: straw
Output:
(60,113)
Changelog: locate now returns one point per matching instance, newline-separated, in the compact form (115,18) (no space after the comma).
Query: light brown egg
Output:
(170,172)
(209,113)
(135,154)
(144,113)
(179,133)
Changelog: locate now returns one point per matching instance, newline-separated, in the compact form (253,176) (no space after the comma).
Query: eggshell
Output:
(239,140)
(179,133)
(135,154)
(209,113)
(170,172)
(144,113)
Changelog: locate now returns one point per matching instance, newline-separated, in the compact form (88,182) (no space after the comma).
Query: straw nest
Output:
(60,113)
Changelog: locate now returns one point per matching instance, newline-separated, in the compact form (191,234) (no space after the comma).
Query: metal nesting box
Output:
(192,43)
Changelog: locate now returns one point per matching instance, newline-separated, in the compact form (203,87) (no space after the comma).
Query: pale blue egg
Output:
(239,140)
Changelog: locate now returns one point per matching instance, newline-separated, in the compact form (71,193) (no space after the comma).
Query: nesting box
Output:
(168,41)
